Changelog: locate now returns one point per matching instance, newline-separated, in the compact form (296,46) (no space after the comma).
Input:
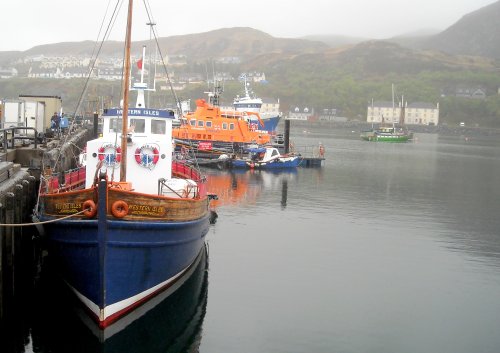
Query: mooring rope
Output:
(43,222)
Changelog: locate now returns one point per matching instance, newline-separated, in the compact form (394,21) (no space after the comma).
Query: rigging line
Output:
(100,29)
(43,222)
(150,18)
(89,75)
(177,101)
(104,38)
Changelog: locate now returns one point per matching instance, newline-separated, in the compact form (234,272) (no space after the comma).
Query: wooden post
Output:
(96,125)
(287,136)
(8,239)
(2,235)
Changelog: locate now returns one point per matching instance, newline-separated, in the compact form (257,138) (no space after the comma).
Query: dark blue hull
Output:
(273,165)
(114,271)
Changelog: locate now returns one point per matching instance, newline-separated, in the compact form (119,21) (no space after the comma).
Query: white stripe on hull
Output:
(109,310)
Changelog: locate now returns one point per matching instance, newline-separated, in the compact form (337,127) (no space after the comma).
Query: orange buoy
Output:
(119,209)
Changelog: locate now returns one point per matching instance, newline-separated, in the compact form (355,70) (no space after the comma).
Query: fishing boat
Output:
(249,102)
(390,132)
(131,222)
(386,134)
(266,158)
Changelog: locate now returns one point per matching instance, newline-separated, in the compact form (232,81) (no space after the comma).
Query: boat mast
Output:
(123,162)
(402,115)
(392,117)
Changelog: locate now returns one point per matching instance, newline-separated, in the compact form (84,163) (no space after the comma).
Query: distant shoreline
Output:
(438,129)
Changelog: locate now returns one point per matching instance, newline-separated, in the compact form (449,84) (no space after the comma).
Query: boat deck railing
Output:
(26,135)
(308,151)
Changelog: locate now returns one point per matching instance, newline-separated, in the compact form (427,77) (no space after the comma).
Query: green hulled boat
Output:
(387,134)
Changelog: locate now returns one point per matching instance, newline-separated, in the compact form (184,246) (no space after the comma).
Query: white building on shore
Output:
(412,114)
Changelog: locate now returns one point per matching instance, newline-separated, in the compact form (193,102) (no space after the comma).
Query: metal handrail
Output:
(4,132)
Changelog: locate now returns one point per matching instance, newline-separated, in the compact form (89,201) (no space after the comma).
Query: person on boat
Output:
(55,121)
(321,150)
(64,123)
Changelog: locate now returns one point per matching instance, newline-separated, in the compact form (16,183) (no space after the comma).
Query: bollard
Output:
(287,136)
(2,233)
(19,207)
(8,237)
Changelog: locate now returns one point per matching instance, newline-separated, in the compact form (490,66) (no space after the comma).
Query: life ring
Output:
(119,209)
(89,209)
(110,154)
(147,156)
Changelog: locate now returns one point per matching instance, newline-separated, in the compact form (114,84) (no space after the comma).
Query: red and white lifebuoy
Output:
(110,154)
(147,155)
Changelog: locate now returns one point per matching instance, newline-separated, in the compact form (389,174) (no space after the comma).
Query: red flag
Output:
(139,64)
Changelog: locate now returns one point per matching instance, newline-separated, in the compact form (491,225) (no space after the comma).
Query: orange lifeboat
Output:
(210,124)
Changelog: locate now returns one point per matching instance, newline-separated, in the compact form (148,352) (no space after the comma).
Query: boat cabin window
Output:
(158,126)
(208,124)
(200,123)
(231,126)
(192,122)
(224,126)
(275,153)
(137,125)
(115,125)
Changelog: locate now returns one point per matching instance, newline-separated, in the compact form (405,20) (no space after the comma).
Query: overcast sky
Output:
(28,23)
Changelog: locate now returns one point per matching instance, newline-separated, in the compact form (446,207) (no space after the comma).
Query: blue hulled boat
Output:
(129,223)
(266,158)
(249,102)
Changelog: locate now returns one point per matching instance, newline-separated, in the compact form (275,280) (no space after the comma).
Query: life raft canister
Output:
(110,154)
(147,156)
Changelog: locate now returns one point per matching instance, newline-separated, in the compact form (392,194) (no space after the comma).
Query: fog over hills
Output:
(477,34)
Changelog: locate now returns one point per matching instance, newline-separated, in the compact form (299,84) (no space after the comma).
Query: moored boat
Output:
(249,102)
(390,132)
(266,158)
(131,222)
(387,134)
(214,131)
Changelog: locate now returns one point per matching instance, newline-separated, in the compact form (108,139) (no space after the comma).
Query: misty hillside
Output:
(239,42)
(335,40)
(371,59)
(477,33)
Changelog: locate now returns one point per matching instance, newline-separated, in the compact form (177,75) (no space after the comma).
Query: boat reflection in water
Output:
(244,187)
(171,322)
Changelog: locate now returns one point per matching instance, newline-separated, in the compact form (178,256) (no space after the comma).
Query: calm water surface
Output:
(386,248)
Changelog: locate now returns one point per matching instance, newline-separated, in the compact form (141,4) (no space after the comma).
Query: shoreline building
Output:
(418,113)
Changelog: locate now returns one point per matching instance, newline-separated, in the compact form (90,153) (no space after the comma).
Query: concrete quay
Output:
(22,162)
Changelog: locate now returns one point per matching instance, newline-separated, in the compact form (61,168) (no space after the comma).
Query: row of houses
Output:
(419,113)
(309,114)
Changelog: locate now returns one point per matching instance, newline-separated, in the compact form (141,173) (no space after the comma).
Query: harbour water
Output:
(386,248)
